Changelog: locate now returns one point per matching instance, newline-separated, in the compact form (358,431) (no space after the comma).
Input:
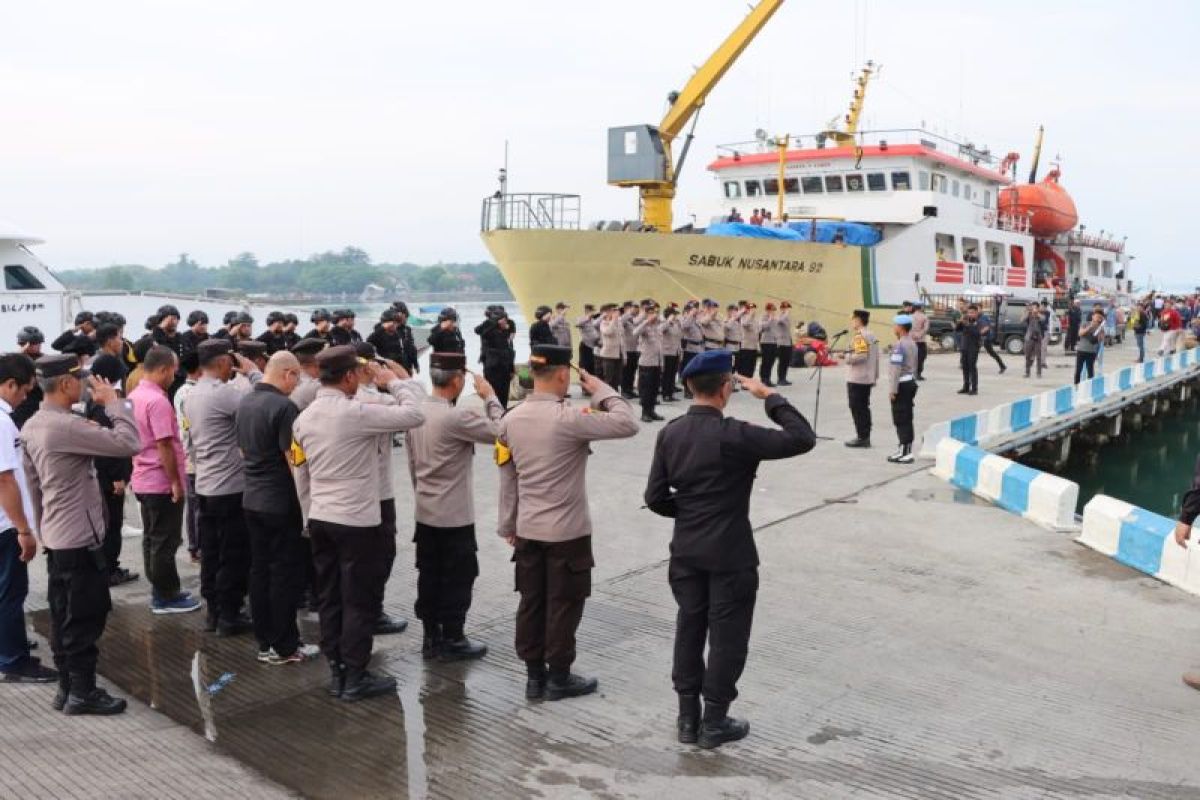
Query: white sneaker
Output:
(905,458)
(265,656)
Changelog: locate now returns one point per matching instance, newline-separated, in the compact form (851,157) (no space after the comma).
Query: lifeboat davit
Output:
(1050,209)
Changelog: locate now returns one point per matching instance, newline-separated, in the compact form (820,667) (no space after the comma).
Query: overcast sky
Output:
(134,130)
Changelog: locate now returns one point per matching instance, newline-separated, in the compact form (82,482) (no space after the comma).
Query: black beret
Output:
(242,318)
(452,361)
(341,314)
(550,355)
(229,317)
(290,319)
(401,307)
(52,366)
(276,316)
(337,359)
(309,346)
(209,349)
(319,315)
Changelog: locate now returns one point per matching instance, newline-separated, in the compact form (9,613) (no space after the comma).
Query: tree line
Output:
(346,272)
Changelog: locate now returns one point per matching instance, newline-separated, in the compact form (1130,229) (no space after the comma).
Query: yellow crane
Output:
(845,138)
(640,155)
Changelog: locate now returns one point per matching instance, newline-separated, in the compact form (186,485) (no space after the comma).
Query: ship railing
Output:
(965,150)
(530,210)
(1013,223)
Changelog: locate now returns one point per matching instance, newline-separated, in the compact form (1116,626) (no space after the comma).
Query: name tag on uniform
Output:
(897,357)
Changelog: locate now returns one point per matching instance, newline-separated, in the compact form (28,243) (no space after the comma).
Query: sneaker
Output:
(387,625)
(905,458)
(29,670)
(265,656)
(181,603)
(97,702)
(303,653)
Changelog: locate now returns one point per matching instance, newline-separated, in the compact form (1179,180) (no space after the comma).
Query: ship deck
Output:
(909,642)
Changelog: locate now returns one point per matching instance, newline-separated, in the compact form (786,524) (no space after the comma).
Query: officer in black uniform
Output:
(273,337)
(197,332)
(386,338)
(409,361)
(85,327)
(29,342)
(227,323)
(445,336)
(970,332)
(702,475)
(496,334)
(343,331)
(539,331)
(290,337)
(322,322)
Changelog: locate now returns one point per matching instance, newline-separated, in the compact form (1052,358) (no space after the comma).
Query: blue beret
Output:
(709,361)
(902,319)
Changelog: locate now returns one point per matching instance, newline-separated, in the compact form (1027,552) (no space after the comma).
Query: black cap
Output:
(309,346)
(453,361)
(52,366)
(242,318)
(152,322)
(290,319)
(550,355)
(337,359)
(541,311)
(319,315)
(365,350)
(168,311)
(401,307)
(229,317)
(83,316)
(209,349)
(252,348)
(389,315)
(30,335)
(447,313)
(197,316)
(340,314)
(275,316)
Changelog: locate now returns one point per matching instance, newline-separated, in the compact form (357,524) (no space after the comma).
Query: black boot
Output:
(535,685)
(387,624)
(210,619)
(64,690)
(86,698)
(689,718)
(431,642)
(239,625)
(858,441)
(719,728)
(565,684)
(337,678)
(361,684)
(461,649)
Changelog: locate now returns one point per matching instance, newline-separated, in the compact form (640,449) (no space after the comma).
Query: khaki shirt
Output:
(305,391)
(863,359)
(369,393)
(766,330)
(920,326)
(612,339)
(561,330)
(750,332)
(672,331)
(441,459)
(543,494)
(692,335)
(59,447)
(733,333)
(337,471)
(589,332)
(783,329)
(902,363)
(649,338)
(714,333)
(629,338)
(212,419)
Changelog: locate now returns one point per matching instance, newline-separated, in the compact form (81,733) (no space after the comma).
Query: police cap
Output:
(229,317)
(252,348)
(319,315)
(550,355)
(196,317)
(242,318)
(340,314)
(333,360)
(448,361)
(709,361)
(209,349)
(52,366)
(275,316)
(309,346)
(365,350)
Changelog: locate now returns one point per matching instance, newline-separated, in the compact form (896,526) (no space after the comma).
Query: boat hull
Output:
(823,282)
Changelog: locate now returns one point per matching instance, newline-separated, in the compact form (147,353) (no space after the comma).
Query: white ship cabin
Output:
(1087,262)
(32,295)
(933,201)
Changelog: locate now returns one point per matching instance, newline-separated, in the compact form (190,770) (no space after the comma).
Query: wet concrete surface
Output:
(909,641)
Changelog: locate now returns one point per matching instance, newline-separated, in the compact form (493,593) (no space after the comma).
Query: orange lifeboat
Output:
(1047,205)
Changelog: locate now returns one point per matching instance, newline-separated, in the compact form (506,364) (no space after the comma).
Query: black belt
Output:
(693,342)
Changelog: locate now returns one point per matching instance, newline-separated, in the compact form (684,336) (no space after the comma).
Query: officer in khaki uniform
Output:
(648,331)
(542,449)
(746,357)
(441,460)
(902,386)
(611,352)
(59,448)
(306,351)
(863,372)
(336,455)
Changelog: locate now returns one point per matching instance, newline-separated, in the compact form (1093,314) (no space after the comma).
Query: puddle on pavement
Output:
(947,494)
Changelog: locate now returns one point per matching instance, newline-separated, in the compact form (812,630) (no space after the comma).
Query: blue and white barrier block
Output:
(1013,417)
(1045,499)
(1140,539)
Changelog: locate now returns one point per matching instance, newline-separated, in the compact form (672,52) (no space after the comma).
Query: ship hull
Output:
(823,282)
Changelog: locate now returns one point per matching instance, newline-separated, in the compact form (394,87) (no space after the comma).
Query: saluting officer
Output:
(691,338)
(648,331)
(611,354)
(59,448)
(337,477)
(440,460)
(305,352)
(702,475)
(902,383)
(542,450)
(322,322)
(861,376)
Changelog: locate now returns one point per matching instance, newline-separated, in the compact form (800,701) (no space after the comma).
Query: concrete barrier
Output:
(1040,497)
(1142,540)
(970,428)
(1013,417)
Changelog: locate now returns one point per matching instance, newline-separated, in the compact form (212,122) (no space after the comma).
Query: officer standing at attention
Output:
(589,338)
(691,338)
(441,461)
(611,353)
(59,448)
(337,475)
(631,315)
(970,332)
(559,325)
(863,359)
(920,331)
(672,343)
(902,387)
(649,337)
(783,341)
(542,450)
(305,352)
(702,475)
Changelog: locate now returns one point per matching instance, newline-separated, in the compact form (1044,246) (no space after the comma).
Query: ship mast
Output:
(845,138)
(1037,154)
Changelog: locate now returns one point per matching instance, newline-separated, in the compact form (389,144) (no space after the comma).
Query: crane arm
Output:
(689,101)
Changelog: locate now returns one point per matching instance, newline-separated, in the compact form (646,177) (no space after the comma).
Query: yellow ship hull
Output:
(824,282)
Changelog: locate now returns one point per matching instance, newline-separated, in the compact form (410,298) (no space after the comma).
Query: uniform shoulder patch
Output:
(503,453)
(298,455)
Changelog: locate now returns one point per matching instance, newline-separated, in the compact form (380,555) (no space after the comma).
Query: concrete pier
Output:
(910,641)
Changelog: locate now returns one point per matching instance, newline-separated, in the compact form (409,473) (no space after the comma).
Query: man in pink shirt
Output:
(158,481)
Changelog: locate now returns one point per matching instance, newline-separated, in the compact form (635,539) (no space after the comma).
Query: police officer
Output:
(672,334)
(386,338)
(589,338)
(197,332)
(224,546)
(542,449)
(971,340)
(711,325)
(783,341)
(273,337)
(255,351)
(540,331)
(768,344)
(440,460)
(496,334)
(702,475)
(85,326)
(650,358)
(863,372)
(337,465)
(290,337)
(409,360)
(29,343)
(902,386)
(322,322)
(59,448)
(691,338)
(610,355)
(343,331)
(751,330)
(445,336)
(559,325)
(166,333)
(920,332)
(630,317)
(305,352)
(227,325)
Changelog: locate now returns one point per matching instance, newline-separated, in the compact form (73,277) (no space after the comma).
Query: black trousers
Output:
(610,371)
(192,515)
(744,361)
(670,369)
(717,608)
(79,605)
(990,347)
(629,371)
(500,377)
(769,352)
(859,395)
(387,523)
(554,579)
(277,572)
(784,351)
(902,411)
(14,588)
(922,354)
(224,555)
(162,531)
(649,381)
(587,358)
(351,572)
(446,570)
(968,361)
(114,522)
(1072,337)
(1084,362)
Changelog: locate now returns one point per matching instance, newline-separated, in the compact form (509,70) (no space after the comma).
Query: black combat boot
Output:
(564,684)
(210,619)
(337,678)
(461,649)
(431,643)
(361,684)
(719,728)
(535,685)
(237,626)
(387,624)
(689,718)
(64,690)
(86,698)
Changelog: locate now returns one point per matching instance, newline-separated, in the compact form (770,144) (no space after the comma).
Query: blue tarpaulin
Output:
(855,233)
(747,231)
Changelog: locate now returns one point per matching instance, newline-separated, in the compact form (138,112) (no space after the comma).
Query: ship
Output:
(837,219)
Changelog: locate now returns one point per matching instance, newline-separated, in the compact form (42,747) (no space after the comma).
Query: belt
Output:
(693,342)
(904,378)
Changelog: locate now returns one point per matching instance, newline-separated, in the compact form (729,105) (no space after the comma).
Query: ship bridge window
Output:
(987,199)
(833,183)
(733,189)
(876,182)
(995,254)
(923,181)
(1093,267)
(944,243)
(753,189)
(1106,269)
(790,186)
(854,183)
(939,183)
(970,250)
(812,184)
(901,182)
(17,277)
(954,188)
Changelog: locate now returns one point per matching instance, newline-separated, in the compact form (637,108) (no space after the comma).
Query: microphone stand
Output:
(820,371)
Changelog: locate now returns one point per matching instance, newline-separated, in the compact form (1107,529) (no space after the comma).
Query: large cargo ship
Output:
(830,221)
